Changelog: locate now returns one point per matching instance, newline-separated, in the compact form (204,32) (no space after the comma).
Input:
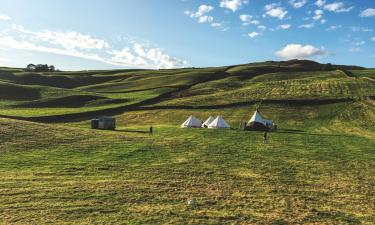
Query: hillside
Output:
(81,95)
(317,168)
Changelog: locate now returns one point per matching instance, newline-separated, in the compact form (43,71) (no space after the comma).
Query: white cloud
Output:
(255,22)
(318,14)
(248,19)
(359,43)
(219,26)
(333,27)
(361,29)
(367,12)
(67,40)
(84,46)
(253,34)
(233,5)
(201,14)
(216,24)
(355,49)
(139,50)
(297,3)
(203,9)
(320,3)
(273,10)
(204,19)
(10,42)
(284,26)
(21,29)
(307,26)
(373,38)
(245,17)
(126,57)
(4,17)
(337,7)
(297,51)
(141,56)
(5,60)
(262,27)
(71,40)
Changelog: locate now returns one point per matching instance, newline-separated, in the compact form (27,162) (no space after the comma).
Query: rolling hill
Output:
(318,167)
(88,93)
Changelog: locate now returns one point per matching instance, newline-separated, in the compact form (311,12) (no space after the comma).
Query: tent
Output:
(208,121)
(218,123)
(258,123)
(191,122)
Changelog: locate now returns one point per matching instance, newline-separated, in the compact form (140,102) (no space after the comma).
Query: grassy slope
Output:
(317,169)
(119,90)
(49,94)
(76,104)
(313,173)
(278,86)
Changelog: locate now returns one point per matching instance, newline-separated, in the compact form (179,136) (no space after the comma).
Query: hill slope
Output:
(48,97)
(318,168)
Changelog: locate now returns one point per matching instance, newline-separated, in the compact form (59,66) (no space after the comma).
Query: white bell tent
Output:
(191,122)
(208,121)
(218,123)
(258,123)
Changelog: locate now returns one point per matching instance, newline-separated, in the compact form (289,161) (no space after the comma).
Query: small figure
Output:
(151,131)
(265,137)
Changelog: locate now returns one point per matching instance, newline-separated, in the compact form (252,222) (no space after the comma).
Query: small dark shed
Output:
(104,123)
(95,124)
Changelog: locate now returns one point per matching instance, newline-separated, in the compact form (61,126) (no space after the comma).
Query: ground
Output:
(318,168)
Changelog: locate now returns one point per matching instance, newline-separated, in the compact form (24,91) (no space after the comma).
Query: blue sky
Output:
(96,34)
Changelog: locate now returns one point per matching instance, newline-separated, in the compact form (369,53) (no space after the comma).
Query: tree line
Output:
(41,68)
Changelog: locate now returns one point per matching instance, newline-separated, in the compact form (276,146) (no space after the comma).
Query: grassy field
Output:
(318,168)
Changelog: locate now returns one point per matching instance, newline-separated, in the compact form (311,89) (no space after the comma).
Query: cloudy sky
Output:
(97,34)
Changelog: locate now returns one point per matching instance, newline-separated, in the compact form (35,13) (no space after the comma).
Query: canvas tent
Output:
(218,123)
(208,121)
(258,123)
(191,122)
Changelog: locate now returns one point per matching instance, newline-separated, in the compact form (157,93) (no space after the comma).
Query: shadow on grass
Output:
(132,131)
(291,131)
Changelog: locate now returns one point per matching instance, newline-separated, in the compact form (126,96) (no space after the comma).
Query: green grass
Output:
(44,94)
(315,174)
(279,90)
(77,104)
(14,92)
(364,73)
(149,81)
(318,168)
